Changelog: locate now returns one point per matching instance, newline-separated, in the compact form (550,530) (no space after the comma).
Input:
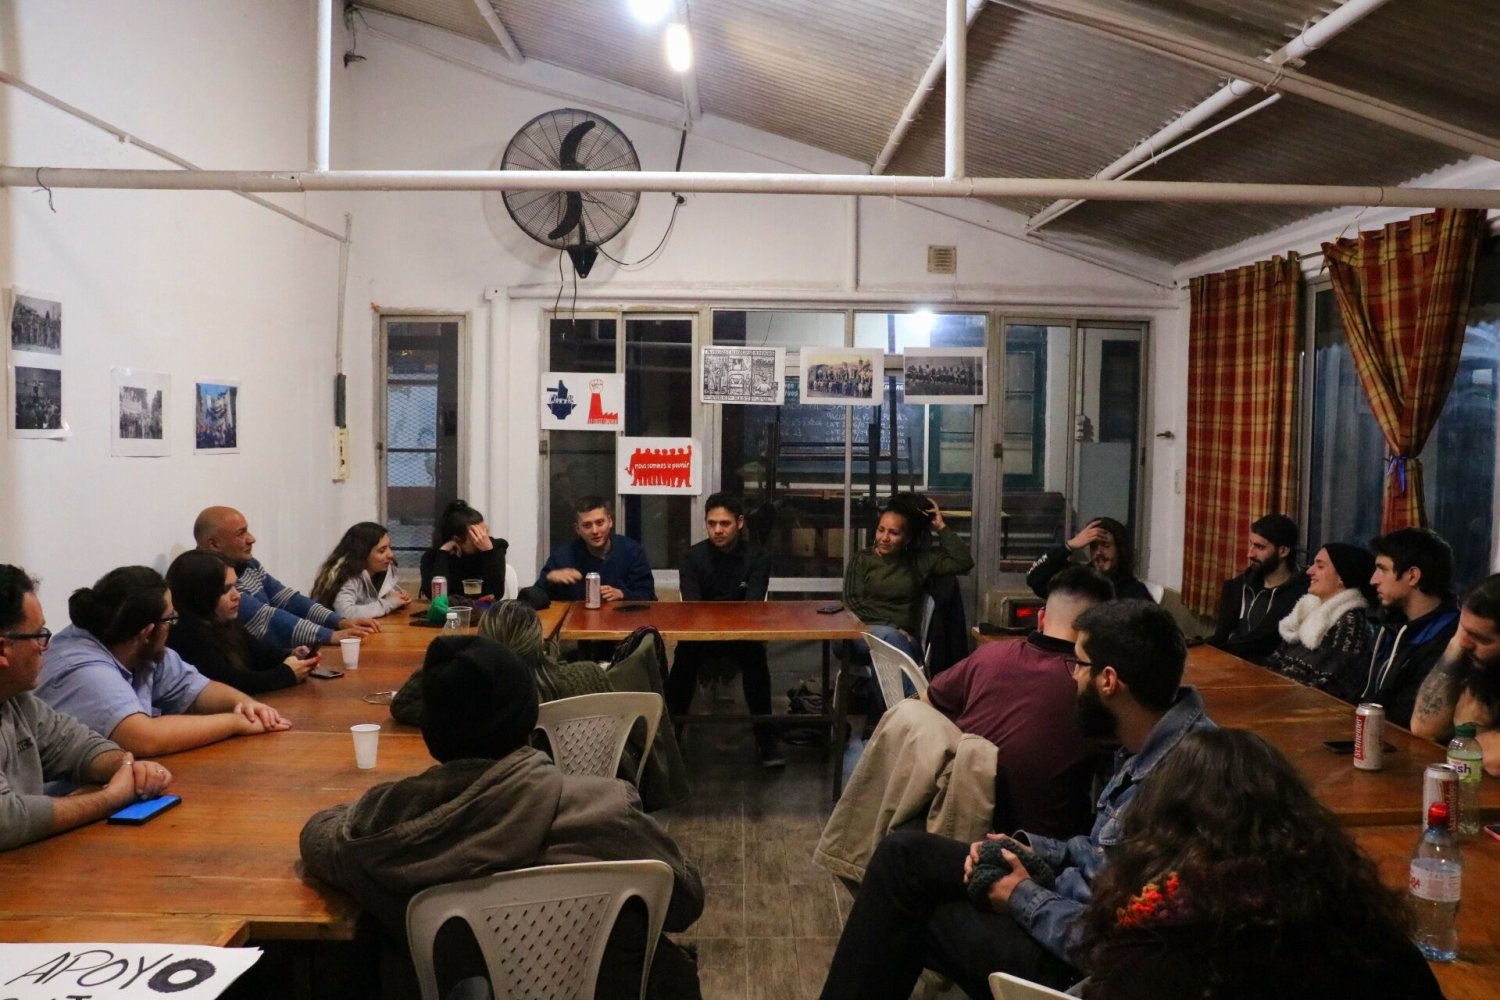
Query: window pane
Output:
(581,463)
(895,332)
(659,402)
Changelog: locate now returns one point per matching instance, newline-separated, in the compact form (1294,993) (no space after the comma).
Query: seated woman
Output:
(358,579)
(884,585)
(1109,551)
(463,549)
(1328,631)
(1232,881)
(208,633)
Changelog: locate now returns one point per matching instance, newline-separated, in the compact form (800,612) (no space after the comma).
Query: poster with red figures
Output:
(583,401)
(660,466)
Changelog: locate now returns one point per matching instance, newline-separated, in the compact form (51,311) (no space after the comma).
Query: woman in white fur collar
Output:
(1328,630)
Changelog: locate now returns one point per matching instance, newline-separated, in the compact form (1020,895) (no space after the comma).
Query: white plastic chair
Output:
(512,583)
(890,664)
(1004,986)
(588,733)
(1156,590)
(542,930)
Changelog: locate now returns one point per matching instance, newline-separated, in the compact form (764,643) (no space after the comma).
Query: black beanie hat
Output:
(1278,529)
(1354,565)
(478,699)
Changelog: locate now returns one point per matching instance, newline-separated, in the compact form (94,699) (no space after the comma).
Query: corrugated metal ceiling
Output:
(1046,99)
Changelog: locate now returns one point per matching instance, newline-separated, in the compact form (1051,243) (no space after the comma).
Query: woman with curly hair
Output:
(358,579)
(1233,881)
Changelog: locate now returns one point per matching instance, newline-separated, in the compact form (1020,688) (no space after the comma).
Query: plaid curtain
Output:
(1403,293)
(1242,417)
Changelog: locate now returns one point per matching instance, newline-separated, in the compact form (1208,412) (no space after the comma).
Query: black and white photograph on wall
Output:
(35,323)
(944,375)
(843,376)
(753,376)
(37,402)
(139,422)
(216,424)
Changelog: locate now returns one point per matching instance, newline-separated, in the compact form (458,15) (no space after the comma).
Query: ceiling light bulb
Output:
(679,48)
(649,11)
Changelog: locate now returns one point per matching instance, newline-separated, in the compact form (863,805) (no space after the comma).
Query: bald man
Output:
(270,610)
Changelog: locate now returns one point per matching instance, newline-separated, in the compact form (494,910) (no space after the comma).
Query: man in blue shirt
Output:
(624,571)
(913,909)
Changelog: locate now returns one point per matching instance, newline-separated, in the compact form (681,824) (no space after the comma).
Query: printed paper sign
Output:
(656,465)
(944,374)
(138,422)
(583,401)
(751,375)
(842,376)
(124,971)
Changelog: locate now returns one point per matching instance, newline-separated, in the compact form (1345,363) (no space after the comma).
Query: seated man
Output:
(1020,696)
(1418,616)
(492,804)
(1109,551)
(270,610)
(624,571)
(112,671)
(1252,604)
(913,909)
(38,745)
(1465,684)
(725,566)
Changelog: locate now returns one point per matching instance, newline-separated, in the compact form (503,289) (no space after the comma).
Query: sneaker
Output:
(768,749)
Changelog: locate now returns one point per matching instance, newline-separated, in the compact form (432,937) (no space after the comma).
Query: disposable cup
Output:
(366,744)
(473,588)
(350,649)
(463,616)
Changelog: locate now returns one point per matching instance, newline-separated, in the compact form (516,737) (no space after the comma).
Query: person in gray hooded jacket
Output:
(491,804)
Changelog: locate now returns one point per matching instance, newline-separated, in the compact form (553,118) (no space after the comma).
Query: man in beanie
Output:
(491,804)
(1252,604)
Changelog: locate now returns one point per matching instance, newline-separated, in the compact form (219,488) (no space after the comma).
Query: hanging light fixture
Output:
(649,11)
(679,48)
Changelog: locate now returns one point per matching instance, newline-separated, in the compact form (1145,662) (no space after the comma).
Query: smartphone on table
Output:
(144,811)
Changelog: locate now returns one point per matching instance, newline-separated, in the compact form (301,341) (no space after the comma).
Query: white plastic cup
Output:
(463,616)
(366,744)
(350,649)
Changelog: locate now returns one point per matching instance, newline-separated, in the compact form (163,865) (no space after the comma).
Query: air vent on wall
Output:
(942,260)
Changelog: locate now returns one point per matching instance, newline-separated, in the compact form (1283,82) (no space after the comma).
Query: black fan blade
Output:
(567,153)
(571,216)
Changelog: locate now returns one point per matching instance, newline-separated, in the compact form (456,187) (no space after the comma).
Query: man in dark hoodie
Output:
(1109,552)
(1252,604)
(491,804)
(1418,616)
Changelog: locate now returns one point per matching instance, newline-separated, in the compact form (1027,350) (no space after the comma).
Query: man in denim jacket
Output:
(913,910)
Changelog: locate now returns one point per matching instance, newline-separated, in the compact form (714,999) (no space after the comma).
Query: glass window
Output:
(659,402)
(580,463)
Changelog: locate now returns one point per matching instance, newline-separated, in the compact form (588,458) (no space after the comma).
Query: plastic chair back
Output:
(512,582)
(1004,986)
(542,930)
(588,733)
(891,664)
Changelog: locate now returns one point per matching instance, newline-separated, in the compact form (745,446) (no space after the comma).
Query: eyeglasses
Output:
(169,621)
(42,638)
(1075,664)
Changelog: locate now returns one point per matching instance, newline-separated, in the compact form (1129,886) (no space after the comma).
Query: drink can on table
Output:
(438,587)
(591,592)
(1440,784)
(1369,720)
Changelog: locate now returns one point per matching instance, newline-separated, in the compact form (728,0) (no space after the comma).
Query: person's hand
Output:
(973,858)
(935,515)
(479,537)
(401,596)
(359,626)
(564,576)
(301,665)
(1094,532)
(347,633)
(1001,890)
(450,546)
(609,593)
(261,718)
(121,785)
(150,778)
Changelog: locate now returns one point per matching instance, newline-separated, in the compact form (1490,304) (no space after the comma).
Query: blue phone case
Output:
(141,812)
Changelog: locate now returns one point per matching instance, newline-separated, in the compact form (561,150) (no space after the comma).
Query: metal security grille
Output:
(421,429)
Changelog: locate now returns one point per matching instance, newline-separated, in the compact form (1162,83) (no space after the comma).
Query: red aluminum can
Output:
(437,587)
(1369,720)
(1440,784)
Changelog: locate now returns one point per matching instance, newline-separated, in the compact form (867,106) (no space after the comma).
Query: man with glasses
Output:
(38,745)
(111,669)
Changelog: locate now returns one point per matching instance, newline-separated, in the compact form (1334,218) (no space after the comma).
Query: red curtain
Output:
(1403,293)
(1242,419)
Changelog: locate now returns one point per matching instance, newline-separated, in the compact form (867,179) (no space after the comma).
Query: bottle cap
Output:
(1466,730)
(453,616)
(1437,814)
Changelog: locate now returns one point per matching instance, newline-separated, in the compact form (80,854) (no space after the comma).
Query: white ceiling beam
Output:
(497,28)
(690,102)
(1273,78)
(925,86)
(955,112)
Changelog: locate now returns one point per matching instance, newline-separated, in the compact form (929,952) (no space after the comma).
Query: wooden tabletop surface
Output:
(713,620)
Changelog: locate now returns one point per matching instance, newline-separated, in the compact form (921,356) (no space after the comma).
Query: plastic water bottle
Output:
(1466,757)
(1436,876)
(450,623)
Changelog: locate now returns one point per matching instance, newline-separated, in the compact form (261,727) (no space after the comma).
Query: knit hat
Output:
(1354,565)
(478,699)
(1278,529)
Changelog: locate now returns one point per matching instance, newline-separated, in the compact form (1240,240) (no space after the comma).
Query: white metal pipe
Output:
(925,87)
(750,183)
(498,29)
(1311,38)
(955,152)
(322,94)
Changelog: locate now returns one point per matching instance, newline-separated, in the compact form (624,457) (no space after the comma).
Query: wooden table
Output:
(725,621)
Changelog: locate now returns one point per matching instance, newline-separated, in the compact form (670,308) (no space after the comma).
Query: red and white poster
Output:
(661,466)
(583,401)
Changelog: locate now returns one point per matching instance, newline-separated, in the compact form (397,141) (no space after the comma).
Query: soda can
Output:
(438,587)
(591,595)
(1369,720)
(1440,784)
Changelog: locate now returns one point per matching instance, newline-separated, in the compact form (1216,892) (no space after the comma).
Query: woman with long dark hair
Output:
(358,579)
(208,633)
(1233,881)
(463,549)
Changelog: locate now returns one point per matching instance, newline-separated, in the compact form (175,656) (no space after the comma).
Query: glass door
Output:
(1107,423)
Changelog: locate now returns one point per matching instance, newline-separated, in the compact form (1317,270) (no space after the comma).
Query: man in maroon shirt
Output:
(1020,695)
